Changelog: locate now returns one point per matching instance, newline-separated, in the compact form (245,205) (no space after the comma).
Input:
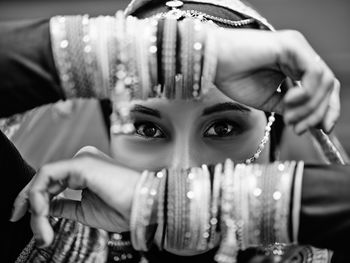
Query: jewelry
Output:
(297,200)
(228,248)
(209,65)
(169,57)
(204,206)
(143,211)
(197,59)
(264,140)
(122,92)
(60,45)
(152,54)
(214,207)
(187,35)
(203,17)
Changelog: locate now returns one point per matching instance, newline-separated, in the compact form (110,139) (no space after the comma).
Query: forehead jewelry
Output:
(177,13)
(264,140)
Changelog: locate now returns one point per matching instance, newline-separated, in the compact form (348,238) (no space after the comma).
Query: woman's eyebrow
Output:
(145,110)
(225,106)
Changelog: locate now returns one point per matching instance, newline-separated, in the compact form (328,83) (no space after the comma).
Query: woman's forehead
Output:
(212,98)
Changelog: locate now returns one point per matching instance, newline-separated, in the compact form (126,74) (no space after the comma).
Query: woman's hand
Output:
(253,63)
(106,198)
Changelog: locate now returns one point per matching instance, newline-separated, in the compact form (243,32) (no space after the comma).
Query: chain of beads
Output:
(264,140)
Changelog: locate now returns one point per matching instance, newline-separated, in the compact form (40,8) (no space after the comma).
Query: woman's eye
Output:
(221,129)
(148,130)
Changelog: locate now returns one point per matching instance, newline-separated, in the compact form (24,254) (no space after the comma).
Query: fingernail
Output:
(12,218)
(329,127)
(39,243)
(299,131)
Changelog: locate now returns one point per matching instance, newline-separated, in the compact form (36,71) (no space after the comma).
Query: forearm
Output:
(27,72)
(261,204)
(325,206)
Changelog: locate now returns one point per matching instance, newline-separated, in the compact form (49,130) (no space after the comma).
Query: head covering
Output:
(236,6)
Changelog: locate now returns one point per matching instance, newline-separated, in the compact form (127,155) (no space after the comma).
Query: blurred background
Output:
(325,23)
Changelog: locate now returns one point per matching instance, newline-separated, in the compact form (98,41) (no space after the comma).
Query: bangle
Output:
(122,92)
(214,206)
(209,64)
(152,58)
(228,248)
(143,212)
(169,56)
(187,57)
(197,59)
(60,45)
(297,200)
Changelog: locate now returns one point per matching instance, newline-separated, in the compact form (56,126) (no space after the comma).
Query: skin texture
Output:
(182,136)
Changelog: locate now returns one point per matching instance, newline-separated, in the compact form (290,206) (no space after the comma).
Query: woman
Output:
(158,127)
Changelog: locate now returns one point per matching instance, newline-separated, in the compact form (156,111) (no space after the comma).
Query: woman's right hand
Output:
(107,193)
(253,63)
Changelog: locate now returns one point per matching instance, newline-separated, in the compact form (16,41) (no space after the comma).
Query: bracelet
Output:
(169,56)
(144,210)
(228,249)
(60,46)
(152,58)
(214,206)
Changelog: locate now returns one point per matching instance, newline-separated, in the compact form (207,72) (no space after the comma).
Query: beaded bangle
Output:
(122,92)
(197,59)
(228,248)
(204,210)
(297,200)
(189,197)
(152,58)
(193,196)
(76,53)
(214,206)
(60,44)
(171,217)
(89,56)
(187,32)
(144,210)
(135,211)
(169,57)
(209,64)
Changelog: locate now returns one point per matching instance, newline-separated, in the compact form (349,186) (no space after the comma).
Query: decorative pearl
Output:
(281,167)
(174,4)
(277,195)
(64,43)
(190,195)
(153,49)
(87,49)
(257,192)
(160,175)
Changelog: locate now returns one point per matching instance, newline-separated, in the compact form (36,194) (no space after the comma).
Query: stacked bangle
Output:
(145,210)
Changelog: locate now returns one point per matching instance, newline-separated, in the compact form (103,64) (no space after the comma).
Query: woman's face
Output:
(182,134)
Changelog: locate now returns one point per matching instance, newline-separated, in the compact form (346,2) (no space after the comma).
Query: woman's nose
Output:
(184,154)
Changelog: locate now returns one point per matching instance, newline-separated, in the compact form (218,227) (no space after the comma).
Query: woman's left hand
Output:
(106,199)
(253,63)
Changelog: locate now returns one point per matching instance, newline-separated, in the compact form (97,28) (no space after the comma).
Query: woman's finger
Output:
(297,58)
(333,111)
(67,208)
(296,112)
(39,196)
(313,119)
(21,204)
(39,222)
